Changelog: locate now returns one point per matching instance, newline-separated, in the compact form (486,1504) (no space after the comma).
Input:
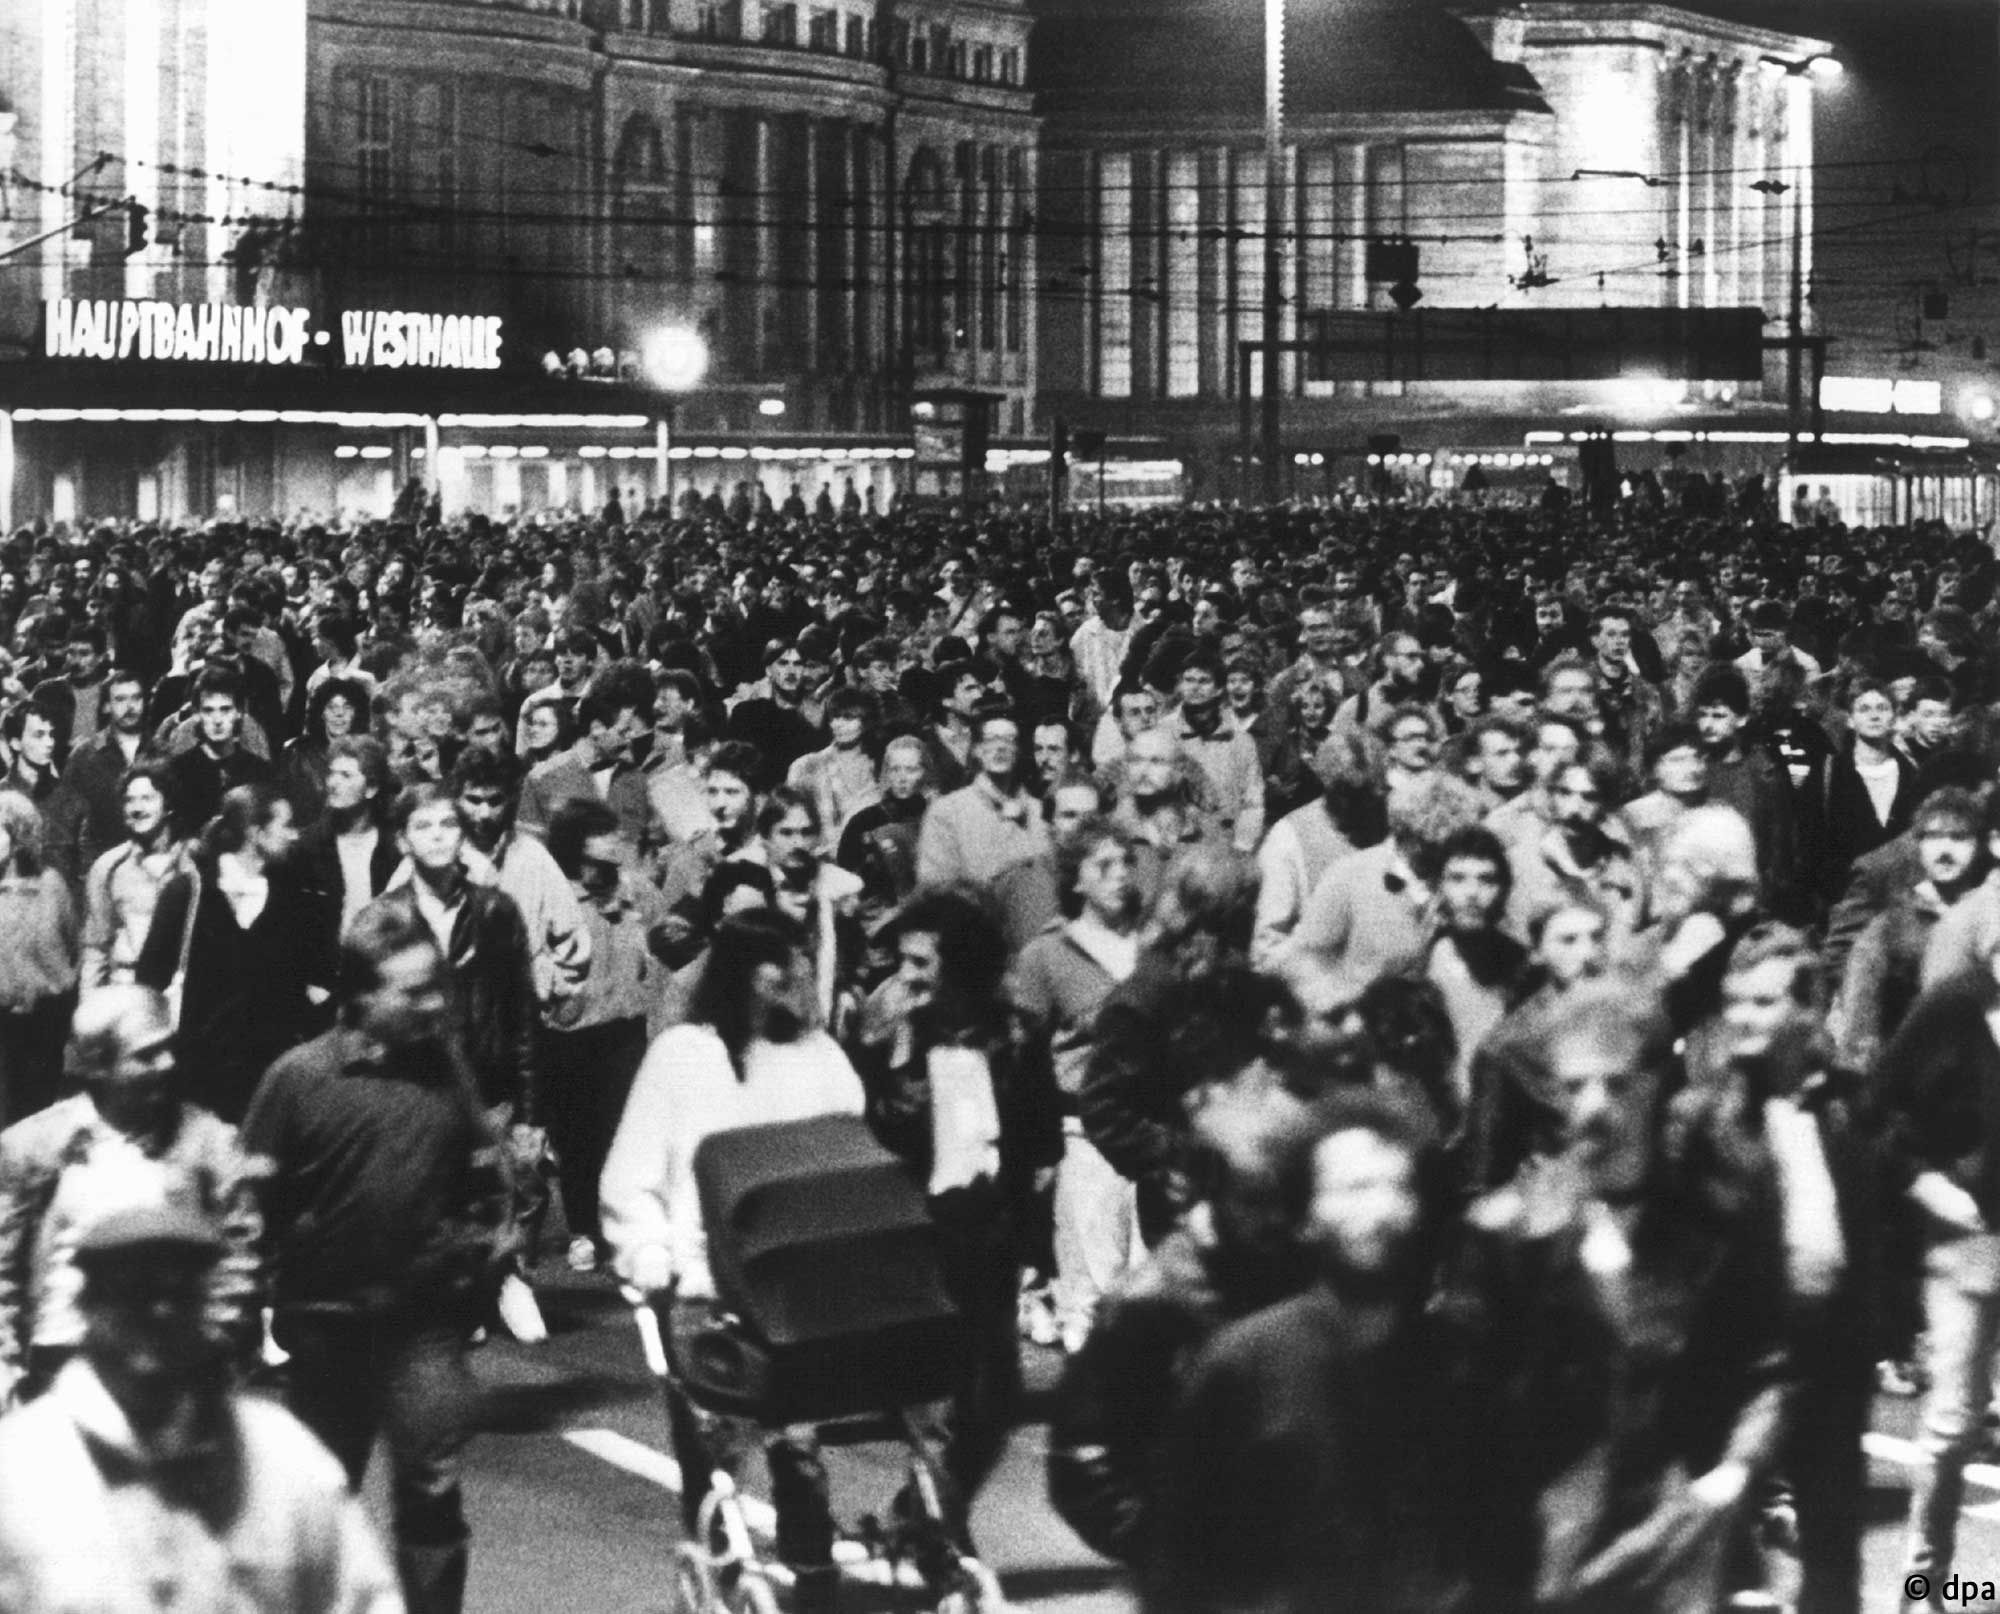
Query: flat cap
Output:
(155,1225)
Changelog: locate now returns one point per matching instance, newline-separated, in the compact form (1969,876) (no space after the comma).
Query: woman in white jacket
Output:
(748,1055)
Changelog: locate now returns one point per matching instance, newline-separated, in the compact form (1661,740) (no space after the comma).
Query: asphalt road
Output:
(572,1490)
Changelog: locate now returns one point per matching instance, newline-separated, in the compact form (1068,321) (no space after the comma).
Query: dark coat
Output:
(1839,824)
(317,863)
(201,781)
(1117,1392)
(1758,788)
(87,818)
(1313,1466)
(244,1002)
(1614,1393)
(492,963)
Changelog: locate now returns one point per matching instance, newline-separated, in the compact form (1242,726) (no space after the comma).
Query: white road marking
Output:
(635,1457)
(1907,1454)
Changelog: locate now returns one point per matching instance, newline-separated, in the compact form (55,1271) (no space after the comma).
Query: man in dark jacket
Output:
(1629,1306)
(1242,1256)
(1941,1080)
(384,1211)
(217,763)
(485,945)
(1314,1460)
(87,817)
(1742,776)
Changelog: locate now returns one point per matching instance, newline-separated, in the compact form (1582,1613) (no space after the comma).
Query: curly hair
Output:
(1426,813)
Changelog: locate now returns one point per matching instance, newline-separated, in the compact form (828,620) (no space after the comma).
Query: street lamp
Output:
(675,359)
(1826,68)
(1274,199)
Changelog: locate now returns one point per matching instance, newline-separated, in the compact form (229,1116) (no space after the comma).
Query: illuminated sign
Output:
(223,333)
(1872,396)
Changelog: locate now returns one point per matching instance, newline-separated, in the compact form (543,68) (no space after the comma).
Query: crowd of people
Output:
(1474,1030)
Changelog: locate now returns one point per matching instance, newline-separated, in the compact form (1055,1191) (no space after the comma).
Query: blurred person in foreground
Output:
(142,1480)
(1940,1094)
(388,1222)
(62,1168)
(1628,1305)
(1312,1462)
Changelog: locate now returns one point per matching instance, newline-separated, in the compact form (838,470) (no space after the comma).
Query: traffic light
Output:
(137,228)
(1059,446)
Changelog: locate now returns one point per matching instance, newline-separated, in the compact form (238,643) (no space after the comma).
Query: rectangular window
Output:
(1114,276)
(434,157)
(1018,248)
(992,249)
(918,52)
(982,64)
(781,25)
(857,36)
(941,50)
(1248,248)
(823,32)
(1182,291)
(374,150)
(1010,65)
(719,19)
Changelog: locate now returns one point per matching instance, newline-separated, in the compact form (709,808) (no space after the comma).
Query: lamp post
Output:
(675,358)
(1824,66)
(1271,404)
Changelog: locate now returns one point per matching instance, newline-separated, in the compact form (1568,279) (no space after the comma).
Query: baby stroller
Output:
(830,1309)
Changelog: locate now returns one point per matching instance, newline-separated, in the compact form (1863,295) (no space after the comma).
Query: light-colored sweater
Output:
(686,1090)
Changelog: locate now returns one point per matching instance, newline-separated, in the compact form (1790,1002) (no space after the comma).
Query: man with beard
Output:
(1402,681)
(1630,1309)
(1156,813)
(614,716)
(1237,1253)
(1479,969)
(1581,857)
(382,1234)
(1313,1461)
(86,819)
(818,897)
(728,785)
(1515,1115)
(1885,970)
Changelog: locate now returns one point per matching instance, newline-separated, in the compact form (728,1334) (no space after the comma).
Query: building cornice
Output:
(1585,22)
